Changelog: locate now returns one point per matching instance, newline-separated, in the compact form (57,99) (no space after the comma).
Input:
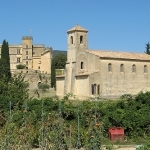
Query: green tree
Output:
(53,74)
(43,86)
(60,61)
(20,66)
(5,60)
(3,68)
(16,88)
(147,48)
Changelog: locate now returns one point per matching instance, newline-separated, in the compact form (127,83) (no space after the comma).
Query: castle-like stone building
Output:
(97,72)
(33,56)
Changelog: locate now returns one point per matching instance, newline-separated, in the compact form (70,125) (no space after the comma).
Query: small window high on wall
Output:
(133,68)
(81,39)
(82,65)
(145,68)
(71,40)
(109,67)
(121,68)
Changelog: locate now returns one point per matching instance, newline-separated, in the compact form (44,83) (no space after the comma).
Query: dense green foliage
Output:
(147,48)
(43,86)
(56,52)
(16,88)
(60,61)
(53,74)
(60,119)
(20,66)
(5,60)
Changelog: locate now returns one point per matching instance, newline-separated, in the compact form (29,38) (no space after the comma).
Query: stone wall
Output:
(34,77)
(116,83)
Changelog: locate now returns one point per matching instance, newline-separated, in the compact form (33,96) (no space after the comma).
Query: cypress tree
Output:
(147,48)
(53,74)
(5,60)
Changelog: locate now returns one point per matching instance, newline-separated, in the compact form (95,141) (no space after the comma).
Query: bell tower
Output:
(77,42)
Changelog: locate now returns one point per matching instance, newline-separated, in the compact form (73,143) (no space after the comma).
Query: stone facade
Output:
(109,74)
(33,56)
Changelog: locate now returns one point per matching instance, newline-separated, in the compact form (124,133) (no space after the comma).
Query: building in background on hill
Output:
(110,74)
(33,56)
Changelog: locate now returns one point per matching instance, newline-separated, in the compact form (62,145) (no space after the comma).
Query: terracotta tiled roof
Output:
(120,55)
(77,28)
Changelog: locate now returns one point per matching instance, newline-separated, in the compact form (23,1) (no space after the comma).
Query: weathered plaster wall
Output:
(116,83)
(60,86)
(82,84)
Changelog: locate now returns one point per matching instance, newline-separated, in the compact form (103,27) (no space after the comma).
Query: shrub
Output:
(126,96)
(20,66)
(43,86)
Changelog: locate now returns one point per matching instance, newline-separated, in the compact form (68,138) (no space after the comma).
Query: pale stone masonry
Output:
(109,74)
(33,56)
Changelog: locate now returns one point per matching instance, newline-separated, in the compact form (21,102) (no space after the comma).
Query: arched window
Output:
(82,65)
(71,40)
(121,68)
(109,67)
(81,39)
(133,68)
(145,68)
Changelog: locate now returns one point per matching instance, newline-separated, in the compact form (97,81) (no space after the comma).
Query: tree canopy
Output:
(53,74)
(147,48)
(5,60)
(60,61)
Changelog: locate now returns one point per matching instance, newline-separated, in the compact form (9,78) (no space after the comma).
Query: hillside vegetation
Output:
(61,124)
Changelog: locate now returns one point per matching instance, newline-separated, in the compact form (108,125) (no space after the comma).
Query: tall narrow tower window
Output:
(81,39)
(71,40)
(82,65)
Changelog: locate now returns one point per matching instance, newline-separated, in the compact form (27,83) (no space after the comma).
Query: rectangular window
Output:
(26,52)
(26,57)
(26,46)
(26,62)
(93,86)
(98,89)
(18,51)
(18,60)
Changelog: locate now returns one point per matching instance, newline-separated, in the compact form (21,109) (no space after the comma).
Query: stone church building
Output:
(109,74)
(33,56)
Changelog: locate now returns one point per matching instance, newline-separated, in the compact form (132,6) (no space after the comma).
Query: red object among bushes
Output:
(116,134)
